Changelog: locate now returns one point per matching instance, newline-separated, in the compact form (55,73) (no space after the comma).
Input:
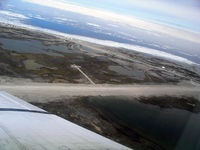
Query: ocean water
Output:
(21,12)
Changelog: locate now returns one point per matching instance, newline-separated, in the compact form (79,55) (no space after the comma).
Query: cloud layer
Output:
(11,14)
(111,16)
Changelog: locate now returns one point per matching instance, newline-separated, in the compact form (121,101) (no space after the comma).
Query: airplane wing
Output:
(26,127)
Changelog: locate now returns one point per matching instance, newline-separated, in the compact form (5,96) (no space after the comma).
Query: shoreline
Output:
(112,44)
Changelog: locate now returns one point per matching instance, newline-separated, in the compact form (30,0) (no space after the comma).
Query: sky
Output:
(179,13)
(172,17)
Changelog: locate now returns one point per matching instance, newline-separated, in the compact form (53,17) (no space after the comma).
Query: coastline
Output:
(144,50)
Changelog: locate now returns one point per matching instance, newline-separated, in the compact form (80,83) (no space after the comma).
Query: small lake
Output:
(33,46)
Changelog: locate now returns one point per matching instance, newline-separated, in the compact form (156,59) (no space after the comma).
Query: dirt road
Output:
(44,92)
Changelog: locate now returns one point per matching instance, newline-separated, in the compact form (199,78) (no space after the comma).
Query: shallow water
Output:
(33,46)
(32,65)
(136,74)
(22,46)
(172,129)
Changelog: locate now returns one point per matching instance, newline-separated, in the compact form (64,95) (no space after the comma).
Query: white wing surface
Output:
(26,127)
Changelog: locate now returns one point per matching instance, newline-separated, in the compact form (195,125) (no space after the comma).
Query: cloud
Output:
(179,8)
(92,24)
(111,16)
(39,17)
(14,15)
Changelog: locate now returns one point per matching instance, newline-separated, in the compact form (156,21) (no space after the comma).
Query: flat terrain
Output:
(43,57)
(139,100)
